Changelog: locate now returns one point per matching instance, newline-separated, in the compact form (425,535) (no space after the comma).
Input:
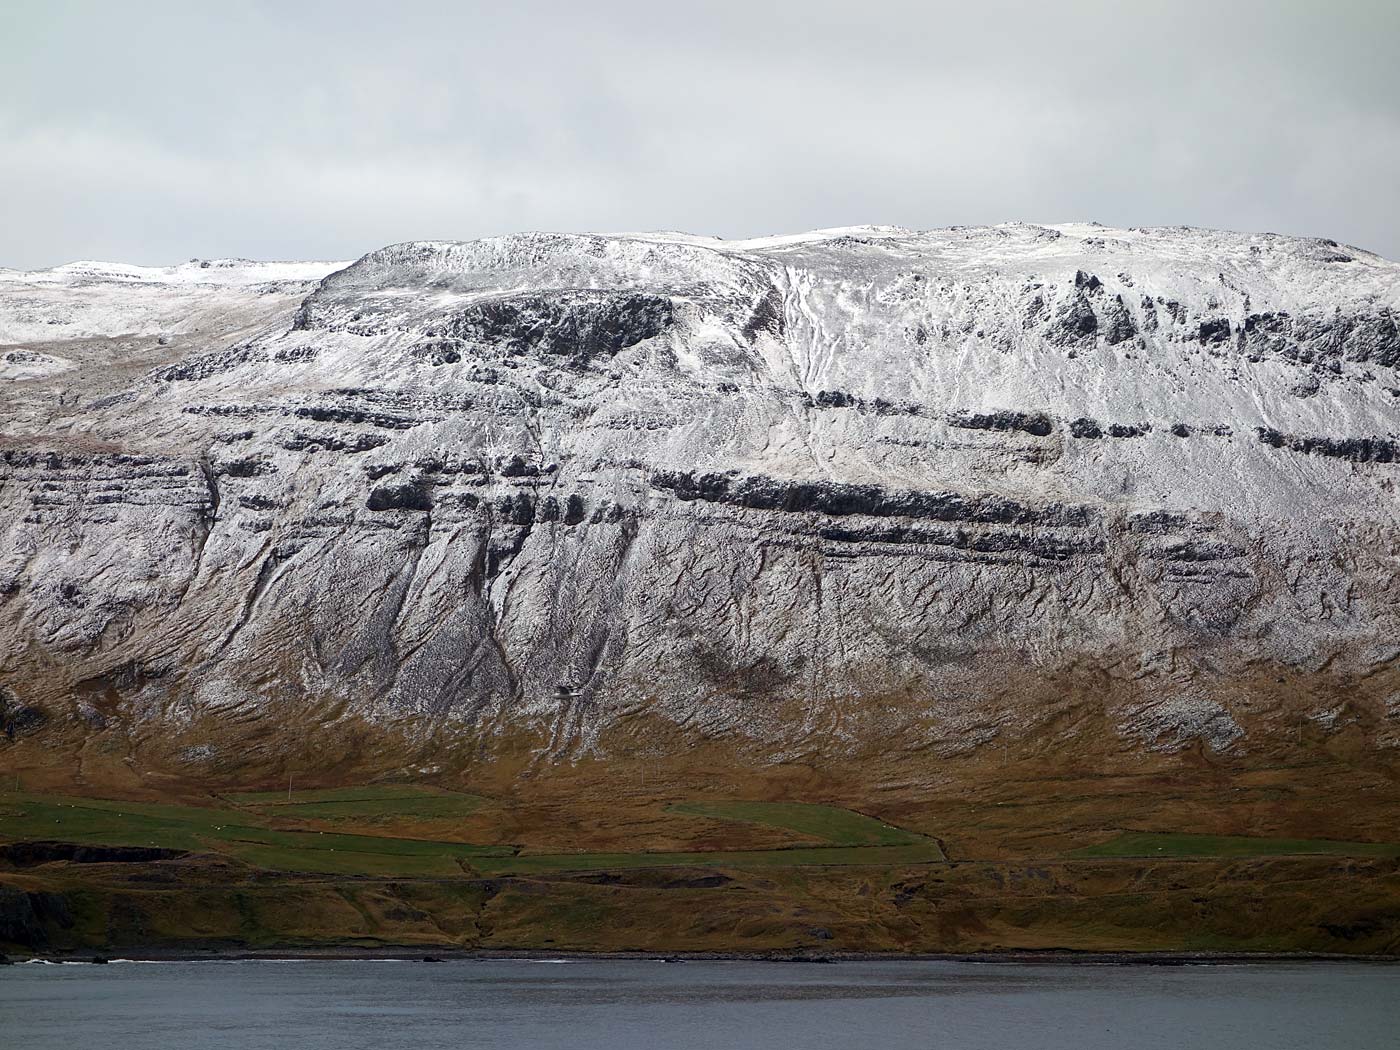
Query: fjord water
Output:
(650,1005)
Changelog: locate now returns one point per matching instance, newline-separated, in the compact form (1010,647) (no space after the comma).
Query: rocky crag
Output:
(857,491)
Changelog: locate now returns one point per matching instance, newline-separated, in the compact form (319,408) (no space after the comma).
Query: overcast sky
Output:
(154,132)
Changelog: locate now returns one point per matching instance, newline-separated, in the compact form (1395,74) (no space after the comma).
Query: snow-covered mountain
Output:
(863,485)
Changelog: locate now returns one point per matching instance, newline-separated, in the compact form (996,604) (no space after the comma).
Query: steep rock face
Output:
(867,484)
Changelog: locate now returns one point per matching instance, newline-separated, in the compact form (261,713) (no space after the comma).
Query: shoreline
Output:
(432,954)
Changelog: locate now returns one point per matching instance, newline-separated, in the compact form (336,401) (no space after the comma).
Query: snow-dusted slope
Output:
(869,483)
(94,314)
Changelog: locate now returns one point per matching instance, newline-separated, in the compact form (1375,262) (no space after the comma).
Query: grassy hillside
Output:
(353,866)
(665,841)
(286,836)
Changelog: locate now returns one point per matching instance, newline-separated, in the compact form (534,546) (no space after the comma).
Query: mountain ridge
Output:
(994,449)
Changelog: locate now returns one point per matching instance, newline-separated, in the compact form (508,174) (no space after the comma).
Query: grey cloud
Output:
(158,131)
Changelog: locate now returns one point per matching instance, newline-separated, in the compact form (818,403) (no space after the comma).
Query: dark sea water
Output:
(635,1005)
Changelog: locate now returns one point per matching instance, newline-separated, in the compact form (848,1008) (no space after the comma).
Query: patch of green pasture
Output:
(198,829)
(381,845)
(111,822)
(1138,844)
(311,851)
(840,827)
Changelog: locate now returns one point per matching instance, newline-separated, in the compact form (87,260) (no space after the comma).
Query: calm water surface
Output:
(626,1005)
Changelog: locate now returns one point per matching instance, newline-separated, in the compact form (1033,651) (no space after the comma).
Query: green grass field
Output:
(242,830)
(840,827)
(234,832)
(1138,844)
(267,830)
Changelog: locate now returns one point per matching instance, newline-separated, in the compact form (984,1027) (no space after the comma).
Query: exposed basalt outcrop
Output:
(1118,323)
(767,493)
(332,414)
(1355,449)
(411,495)
(1076,323)
(1220,430)
(1036,423)
(861,480)
(206,366)
(1213,332)
(960,544)
(440,351)
(1362,338)
(841,399)
(1083,427)
(578,325)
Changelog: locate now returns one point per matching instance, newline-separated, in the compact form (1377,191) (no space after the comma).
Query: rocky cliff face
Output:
(867,488)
